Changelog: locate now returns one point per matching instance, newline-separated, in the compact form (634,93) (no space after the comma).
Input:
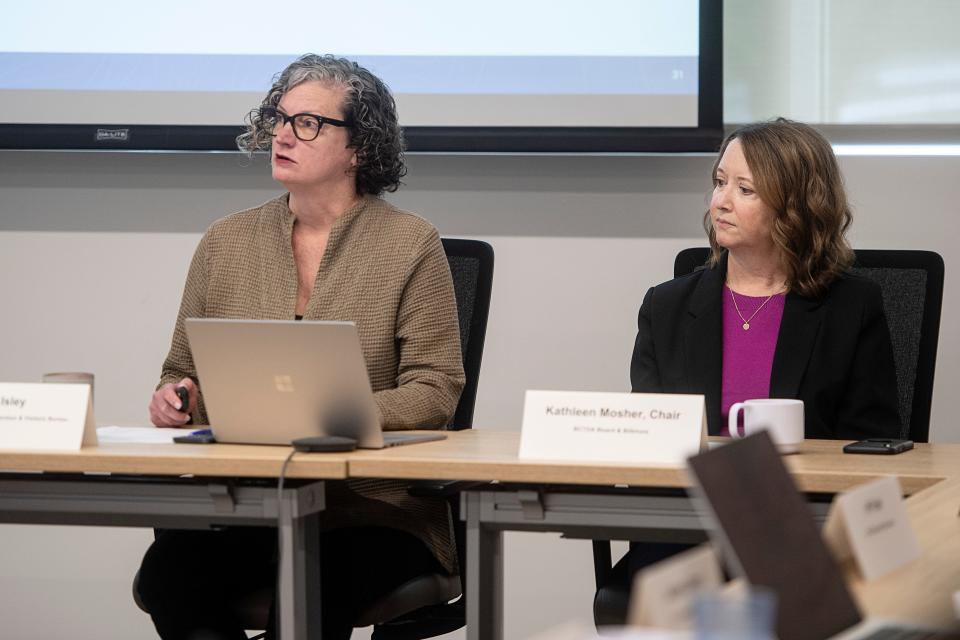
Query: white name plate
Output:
(644,428)
(46,416)
(663,593)
(870,522)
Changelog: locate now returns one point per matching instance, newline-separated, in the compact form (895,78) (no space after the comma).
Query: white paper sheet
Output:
(138,435)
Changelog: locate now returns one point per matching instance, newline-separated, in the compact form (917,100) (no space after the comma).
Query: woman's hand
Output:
(165,405)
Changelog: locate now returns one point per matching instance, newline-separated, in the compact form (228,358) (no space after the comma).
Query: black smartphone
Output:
(203,436)
(195,439)
(883,446)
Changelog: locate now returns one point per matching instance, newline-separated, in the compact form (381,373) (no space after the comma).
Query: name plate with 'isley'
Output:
(642,428)
(46,416)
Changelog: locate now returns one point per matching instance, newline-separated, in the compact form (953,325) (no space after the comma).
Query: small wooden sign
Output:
(643,428)
(46,416)
(870,523)
(663,593)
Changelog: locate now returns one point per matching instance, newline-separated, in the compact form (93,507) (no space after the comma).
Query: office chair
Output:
(471,265)
(911,284)
(422,607)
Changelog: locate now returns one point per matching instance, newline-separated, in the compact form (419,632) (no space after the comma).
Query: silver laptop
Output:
(768,535)
(274,381)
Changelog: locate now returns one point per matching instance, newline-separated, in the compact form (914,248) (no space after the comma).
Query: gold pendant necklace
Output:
(746,321)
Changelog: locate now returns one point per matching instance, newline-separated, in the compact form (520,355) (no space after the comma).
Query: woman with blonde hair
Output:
(774,313)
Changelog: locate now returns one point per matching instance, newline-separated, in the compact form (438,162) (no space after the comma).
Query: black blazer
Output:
(834,353)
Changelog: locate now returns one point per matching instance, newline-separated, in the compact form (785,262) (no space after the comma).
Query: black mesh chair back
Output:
(911,283)
(471,265)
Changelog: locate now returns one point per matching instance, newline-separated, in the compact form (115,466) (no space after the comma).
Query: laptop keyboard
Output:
(898,633)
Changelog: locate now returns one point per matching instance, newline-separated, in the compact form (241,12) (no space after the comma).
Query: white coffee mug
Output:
(782,418)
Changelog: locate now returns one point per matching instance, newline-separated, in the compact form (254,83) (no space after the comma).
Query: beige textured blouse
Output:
(385,270)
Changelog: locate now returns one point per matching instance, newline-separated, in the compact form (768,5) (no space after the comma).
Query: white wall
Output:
(94,247)
(856,61)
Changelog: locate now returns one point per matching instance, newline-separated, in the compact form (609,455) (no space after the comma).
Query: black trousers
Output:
(189,579)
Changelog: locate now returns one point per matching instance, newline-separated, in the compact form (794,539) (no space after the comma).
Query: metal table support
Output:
(606,513)
(188,504)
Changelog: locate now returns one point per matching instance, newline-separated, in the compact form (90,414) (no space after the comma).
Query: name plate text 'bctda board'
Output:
(654,428)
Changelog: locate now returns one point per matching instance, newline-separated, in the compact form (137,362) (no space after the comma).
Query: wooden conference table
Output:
(235,484)
(633,502)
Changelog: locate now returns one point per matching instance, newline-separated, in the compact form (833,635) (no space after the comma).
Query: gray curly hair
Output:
(368,106)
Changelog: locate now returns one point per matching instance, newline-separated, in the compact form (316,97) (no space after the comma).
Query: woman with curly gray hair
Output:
(328,249)
(369,119)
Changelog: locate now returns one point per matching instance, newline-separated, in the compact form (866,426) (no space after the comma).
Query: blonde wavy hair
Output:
(796,173)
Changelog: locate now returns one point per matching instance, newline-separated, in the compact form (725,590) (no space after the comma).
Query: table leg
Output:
(299,605)
(484,575)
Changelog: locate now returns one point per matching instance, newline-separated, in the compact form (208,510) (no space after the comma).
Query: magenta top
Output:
(748,354)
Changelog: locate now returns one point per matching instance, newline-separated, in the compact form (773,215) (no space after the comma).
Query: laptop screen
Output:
(767,527)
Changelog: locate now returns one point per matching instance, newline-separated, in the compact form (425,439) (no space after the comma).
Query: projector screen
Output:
(533,75)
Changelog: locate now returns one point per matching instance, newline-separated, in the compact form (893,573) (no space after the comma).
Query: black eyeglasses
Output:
(306,126)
